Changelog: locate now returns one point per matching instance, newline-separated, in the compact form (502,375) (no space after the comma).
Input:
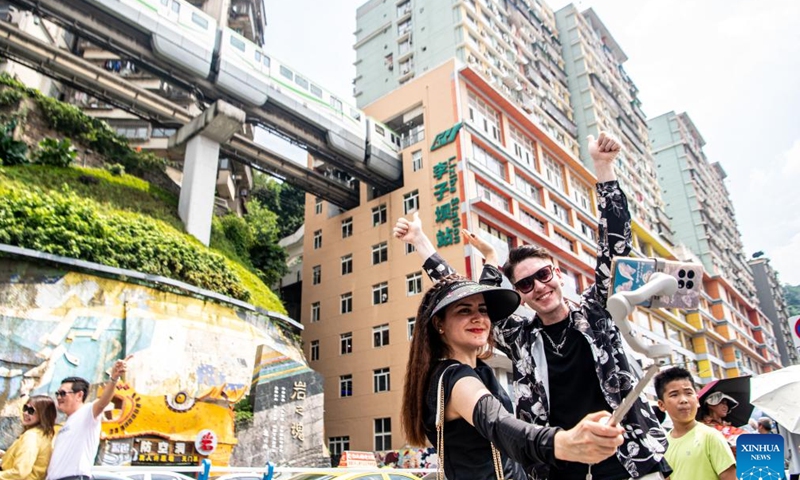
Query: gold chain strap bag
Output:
(496,459)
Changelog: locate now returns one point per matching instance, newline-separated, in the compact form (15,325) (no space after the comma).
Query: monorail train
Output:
(188,38)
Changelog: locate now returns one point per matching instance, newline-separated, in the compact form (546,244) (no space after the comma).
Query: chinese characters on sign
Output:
(298,393)
(157,450)
(277,427)
(206,442)
(448,211)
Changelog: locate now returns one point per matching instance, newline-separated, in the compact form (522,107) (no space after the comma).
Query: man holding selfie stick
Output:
(568,359)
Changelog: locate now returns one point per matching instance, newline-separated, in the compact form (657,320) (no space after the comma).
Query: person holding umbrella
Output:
(715,412)
(717,406)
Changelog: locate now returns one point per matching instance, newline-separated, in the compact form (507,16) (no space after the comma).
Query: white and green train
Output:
(189,39)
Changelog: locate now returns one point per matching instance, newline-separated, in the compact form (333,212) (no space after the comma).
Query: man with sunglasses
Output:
(75,445)
(568,359)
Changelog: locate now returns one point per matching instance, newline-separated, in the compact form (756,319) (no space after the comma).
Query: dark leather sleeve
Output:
(524,442)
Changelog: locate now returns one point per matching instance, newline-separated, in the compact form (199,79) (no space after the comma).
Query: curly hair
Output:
(426,348)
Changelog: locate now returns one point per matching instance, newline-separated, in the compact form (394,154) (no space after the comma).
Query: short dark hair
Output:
(518,254)
(78,385)
(669,375)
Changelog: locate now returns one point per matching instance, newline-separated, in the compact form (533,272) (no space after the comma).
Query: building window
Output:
(484,117)
(380,378)
(337,445)
(380,335)
(416,160)
(528,189)
(414,283)
(317,239)
(565,242)
(533,222)
(378,215)
(347,227)
(345,386)
(316,275)
(380,253)
(553,172)
(560,212)
(404,27)
(410,248)
(492,197)
(410,326)
(588,231)
(582,196)
(347,264)
(317,206)
(523,147)
(346,343)
(380,293)
(494,232)
(315,312)
(383,434)
(486,159)
(411,202)
(314,354)
(346,303)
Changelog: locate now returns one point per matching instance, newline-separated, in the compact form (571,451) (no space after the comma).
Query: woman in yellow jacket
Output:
(28,456)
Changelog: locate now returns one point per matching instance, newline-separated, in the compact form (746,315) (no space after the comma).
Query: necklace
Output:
(557,348)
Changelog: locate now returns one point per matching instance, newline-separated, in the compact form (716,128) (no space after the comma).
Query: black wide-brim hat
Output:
(500,302)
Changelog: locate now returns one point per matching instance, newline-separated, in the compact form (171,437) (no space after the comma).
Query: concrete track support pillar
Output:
(201,139)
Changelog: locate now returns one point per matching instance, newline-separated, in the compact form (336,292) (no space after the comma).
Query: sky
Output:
(732,65)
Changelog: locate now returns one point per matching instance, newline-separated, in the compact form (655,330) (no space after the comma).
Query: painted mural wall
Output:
(191,360)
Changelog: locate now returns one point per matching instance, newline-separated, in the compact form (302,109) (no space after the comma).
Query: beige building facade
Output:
(486,166)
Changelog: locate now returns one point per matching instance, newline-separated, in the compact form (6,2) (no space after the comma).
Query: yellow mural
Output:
(191,359)
(176,419)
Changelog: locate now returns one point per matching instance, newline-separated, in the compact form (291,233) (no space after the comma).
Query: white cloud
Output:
(786,261)
(792,158)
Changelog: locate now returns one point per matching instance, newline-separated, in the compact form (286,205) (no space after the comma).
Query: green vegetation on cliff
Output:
(105,216)
(120,221)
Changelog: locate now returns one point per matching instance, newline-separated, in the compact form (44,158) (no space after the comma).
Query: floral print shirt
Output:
(520,338)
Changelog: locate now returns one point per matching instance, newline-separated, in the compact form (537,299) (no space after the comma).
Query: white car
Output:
(158,476)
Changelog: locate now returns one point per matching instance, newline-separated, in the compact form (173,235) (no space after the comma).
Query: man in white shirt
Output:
(75,445)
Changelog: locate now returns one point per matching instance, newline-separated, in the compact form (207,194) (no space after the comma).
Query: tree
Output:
(284,200)
(792,294)
(268,258)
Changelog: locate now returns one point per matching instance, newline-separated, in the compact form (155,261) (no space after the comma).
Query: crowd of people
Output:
(40,453)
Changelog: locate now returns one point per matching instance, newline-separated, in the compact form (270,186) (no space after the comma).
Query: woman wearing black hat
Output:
(453,399)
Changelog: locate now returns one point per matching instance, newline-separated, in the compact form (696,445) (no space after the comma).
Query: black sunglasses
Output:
(543,275)
(62,393)
(28,409)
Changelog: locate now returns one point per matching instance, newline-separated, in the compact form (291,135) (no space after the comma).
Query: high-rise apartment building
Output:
(773,304)
(513,44)
(604,98)
(697,200)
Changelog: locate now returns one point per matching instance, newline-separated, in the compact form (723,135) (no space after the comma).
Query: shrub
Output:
(116,169)
(10,96)
(12,152)
(63,223)
(56,153)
